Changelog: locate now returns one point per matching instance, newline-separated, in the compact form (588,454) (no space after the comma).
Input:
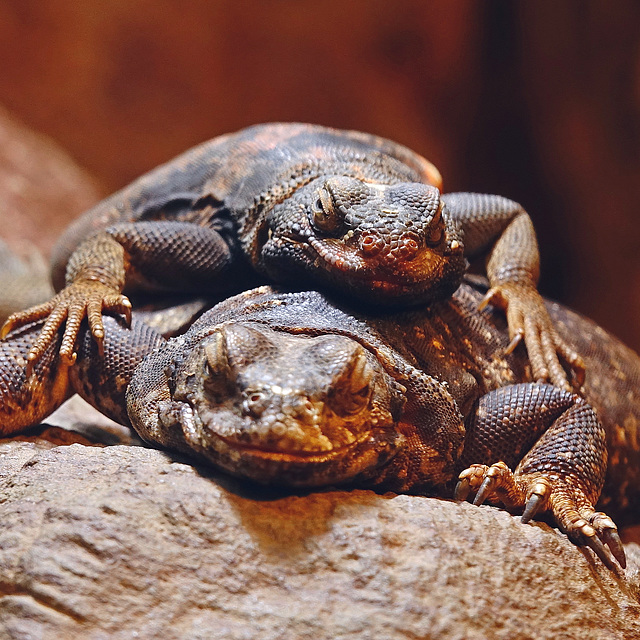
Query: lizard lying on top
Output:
(299,204)
(292,389)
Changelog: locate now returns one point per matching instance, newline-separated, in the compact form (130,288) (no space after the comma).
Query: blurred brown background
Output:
(536,101)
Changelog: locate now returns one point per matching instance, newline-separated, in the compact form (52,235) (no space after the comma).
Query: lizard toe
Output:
(84,298)
(22,318)
(573,510)
(486,489)
(495,482)
(529,322)
(612,539)
(469,481)
(607,531)
(589,537)
(536,493)
(462,490)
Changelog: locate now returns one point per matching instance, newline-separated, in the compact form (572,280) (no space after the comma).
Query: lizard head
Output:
(379,242)
(282,408)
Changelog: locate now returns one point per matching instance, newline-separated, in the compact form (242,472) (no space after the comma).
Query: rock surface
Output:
(122,542)
(41,188)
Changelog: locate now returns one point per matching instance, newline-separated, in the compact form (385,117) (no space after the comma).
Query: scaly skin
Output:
(298,204)
(292,389)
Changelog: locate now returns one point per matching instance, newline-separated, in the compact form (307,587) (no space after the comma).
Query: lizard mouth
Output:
(385,276)
(291,455)
(350,260)
(371,449)
(429,274)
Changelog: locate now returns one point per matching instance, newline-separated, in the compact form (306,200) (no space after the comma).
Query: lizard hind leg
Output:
(535,493)
(562,473)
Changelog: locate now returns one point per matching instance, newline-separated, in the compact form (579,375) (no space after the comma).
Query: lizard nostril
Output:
(254,404)
(407,249)
(371,244)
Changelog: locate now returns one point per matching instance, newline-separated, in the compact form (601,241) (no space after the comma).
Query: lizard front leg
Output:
(504,228)
(172,256)
(95,279)
(563,467)
(25,400)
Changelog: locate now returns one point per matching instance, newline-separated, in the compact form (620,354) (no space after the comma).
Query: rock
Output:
(122,542)
(79,416)
(23,282)
(41,191)
(41,188)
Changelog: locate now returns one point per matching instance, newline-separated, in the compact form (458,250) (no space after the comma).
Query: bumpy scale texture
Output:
(294,389)
(297,204)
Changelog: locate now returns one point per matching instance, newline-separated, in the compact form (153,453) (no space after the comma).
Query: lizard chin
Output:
(296,468)
(429,275)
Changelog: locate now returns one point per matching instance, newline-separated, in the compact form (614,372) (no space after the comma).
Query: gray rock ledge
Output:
(126,542)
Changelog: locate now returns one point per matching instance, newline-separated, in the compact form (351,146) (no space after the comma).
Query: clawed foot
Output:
(535,493)
(88,298)
(529,320)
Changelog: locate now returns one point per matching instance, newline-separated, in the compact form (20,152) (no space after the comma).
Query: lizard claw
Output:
(488,299)
(469,480)
(83,298)
(535,493)
(462,490)
(608,532)
(589,537)
(612,540)
(537,499)
(515,341)
(486,489)
(533,507)
(529,320)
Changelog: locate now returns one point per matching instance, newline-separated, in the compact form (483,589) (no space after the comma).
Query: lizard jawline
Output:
(347,260)
(372,450)
(302,456)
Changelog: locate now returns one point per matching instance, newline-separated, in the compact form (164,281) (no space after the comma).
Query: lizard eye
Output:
(436,228)
(218,377)
(353,388)
(326,216)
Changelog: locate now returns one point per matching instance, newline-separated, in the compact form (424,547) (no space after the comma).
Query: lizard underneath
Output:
(293,388)
(301,205)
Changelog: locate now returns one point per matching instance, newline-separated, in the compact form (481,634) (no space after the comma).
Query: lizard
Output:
(298,204)
(292,388)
